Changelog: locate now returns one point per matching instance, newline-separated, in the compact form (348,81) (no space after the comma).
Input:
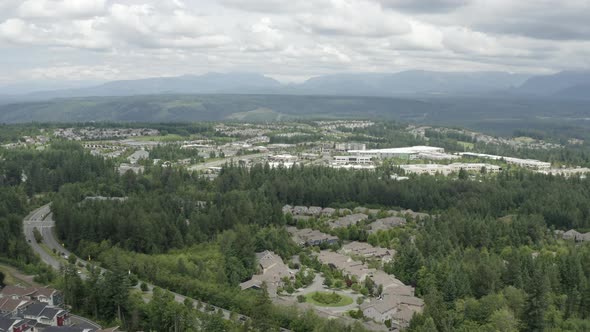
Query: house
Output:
(386,223)
(272,269)
(576,236)
(315,211)
(300,210)
(361,209)
(571,235)
(41,294)
(47,315)
(366,250)
(137,156)
(17,292)
(10,306)
(287,209)
(351,219)
(310,237)
(398,309)
(415,215)
(66,329)
(328,212)
(13,325)
(124,168)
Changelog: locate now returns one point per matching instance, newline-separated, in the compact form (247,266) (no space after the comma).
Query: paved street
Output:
(42,219)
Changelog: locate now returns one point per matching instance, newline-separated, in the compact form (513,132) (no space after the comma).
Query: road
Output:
(38,219)
(42,219)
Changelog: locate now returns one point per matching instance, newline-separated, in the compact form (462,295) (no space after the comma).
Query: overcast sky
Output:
(287,39)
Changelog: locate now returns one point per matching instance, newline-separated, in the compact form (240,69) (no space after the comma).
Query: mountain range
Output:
(414,83)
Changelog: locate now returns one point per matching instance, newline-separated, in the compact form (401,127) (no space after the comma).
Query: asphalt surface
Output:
(42,219)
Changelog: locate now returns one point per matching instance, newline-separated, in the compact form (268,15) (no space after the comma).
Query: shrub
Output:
(143,287)
(300,298)
(326,298)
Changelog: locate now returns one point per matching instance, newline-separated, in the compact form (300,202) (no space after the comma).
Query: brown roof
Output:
(20,292)
(44,291)
(10,305)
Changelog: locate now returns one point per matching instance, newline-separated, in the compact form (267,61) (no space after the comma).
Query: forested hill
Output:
(476,113)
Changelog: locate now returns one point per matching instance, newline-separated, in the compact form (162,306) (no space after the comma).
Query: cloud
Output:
(145,26)
(263,35)
(540,19)
(294,38)
(274,6)
(344,18)
(61,8)
(423,6)
(75,34)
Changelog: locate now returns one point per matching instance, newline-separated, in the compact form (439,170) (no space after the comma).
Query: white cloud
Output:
(144,26)
(354,18)
(61,8)
(295,38)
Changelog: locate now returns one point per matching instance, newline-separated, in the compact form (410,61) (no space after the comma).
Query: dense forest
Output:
(487,259)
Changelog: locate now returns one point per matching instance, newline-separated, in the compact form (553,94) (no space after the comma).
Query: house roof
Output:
(64,329)
(7,323)
(391,221)
(350,220)
(51,312)
(44,291)
(571,232)
(404,314)
(250,283)
(415,214)
(392,302)
(268,259)
(10,305)
(35,309)
(17,291)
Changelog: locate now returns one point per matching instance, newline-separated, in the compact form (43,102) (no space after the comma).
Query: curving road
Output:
(42,219)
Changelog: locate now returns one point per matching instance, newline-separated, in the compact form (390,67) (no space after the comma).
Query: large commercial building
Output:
(412,152)
(448,169)
(340,160)
(349,146)
(527,163)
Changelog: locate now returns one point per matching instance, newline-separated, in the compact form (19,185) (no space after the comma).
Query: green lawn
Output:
(466,145)
(344,300)
(14,277)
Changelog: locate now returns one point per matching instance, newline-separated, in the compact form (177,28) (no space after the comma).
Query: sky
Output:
(290,40)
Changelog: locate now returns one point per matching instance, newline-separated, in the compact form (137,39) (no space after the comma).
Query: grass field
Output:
(466,145)
(344,300)
(14,277)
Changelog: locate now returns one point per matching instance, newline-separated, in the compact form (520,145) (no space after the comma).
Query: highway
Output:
(42,219)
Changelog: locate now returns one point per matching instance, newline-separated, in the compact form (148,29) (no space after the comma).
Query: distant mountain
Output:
(563,84)
(414,82)
(579,91)
(43,85)
(407,83)
(188,84)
